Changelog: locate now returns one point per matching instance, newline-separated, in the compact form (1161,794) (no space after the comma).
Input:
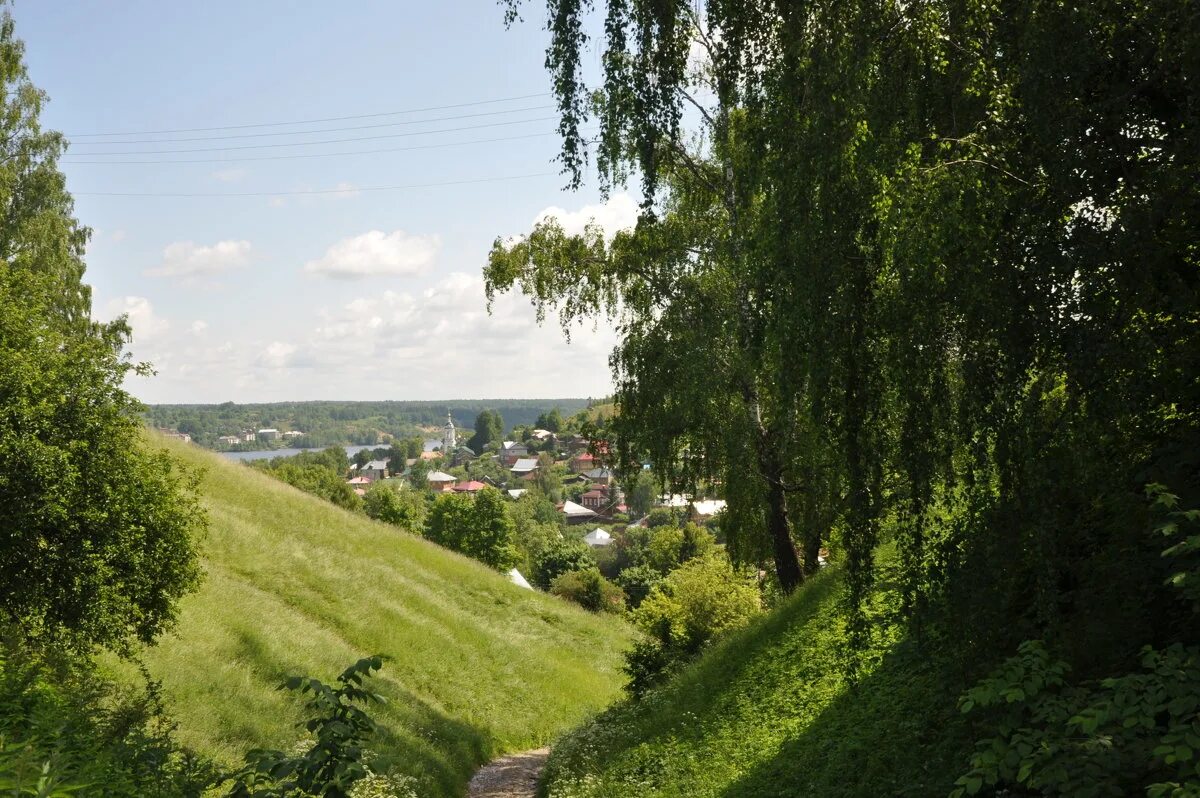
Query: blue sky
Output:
(355,294)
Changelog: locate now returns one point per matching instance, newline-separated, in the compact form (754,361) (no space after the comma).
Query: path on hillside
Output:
(513,776)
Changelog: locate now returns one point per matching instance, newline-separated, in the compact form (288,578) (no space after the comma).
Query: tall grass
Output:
(769,713)
(296,585)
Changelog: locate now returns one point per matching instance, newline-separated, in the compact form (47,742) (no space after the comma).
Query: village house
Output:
(511,452)
(229,440)
(462,456)
(599,475)
(576,513)
(582,463)
(472,486)
(358,482)
(374,470)
(440,481)
(574,444)
(268,434)
(295,433)
(524,467)
(603,499)
(249,436)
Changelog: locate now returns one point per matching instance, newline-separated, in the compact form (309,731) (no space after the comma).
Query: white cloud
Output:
(117,236)
(198,327)
(276,355)
(618,213)
(143,321)
(345,190)
(188,259)
(229,175)
(377,254)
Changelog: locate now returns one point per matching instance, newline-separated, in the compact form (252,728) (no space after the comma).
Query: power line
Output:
(308,121)
(324,129)
(315,154)
(496,179)
(323,141)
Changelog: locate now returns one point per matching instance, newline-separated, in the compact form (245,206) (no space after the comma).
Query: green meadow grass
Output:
(294,585)
(768,713)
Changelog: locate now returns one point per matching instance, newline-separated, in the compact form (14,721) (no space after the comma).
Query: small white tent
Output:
(515,577)
(597,537)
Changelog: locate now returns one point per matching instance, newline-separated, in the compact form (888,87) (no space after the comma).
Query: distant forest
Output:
(342,423)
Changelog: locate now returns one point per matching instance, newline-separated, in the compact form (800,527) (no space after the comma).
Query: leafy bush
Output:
(701,600)
(403,508)
(97,528)
(336,758)
(672,546)
(477,526)
(560,557)
(1136,733)
(590,590)
(65,731)
(637,582)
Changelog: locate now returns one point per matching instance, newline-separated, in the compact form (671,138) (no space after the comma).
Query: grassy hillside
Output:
(768,714)
(295,585)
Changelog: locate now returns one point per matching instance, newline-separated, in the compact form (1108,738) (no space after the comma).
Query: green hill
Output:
(296,585)
(768,713)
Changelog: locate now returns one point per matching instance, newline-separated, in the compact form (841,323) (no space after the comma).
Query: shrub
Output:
(335,759)
(66,731)
(637,582)
(478,527)
(701,600)
(560,557)
(1137,733)
(670,546)
(590,590)
(403,508)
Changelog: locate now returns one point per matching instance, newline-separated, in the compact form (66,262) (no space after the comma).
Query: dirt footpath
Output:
(513,776)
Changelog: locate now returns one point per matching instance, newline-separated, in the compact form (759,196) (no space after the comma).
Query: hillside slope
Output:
(296,585)
(768,714)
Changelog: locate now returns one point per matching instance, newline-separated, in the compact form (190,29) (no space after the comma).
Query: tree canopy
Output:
(96,527)
(924,269)
(489,430)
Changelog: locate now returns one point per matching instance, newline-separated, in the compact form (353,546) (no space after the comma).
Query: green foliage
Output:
(418,475)
(339,730)
(97,530)
(1184,548)
(561,556)
(641,493)
(897,278)
(476,526)
(691,606)
(387,502)
(536,527)
(590,590)
(339,423)
(768,712)
(1134,733)
(669,547)
(552,421)
(319,473)
(637,582)
(65,731)
(489,431)
(1138,733)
